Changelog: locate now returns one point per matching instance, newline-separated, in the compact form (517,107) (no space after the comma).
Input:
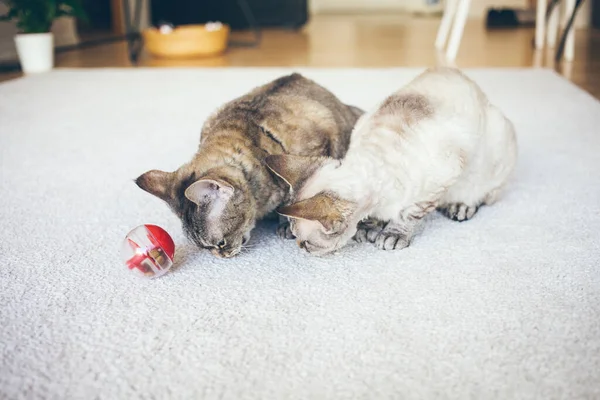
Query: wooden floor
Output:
(372,41)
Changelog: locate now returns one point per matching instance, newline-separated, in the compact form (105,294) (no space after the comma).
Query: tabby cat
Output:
(222,192)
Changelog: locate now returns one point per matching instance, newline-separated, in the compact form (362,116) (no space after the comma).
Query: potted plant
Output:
(34,19)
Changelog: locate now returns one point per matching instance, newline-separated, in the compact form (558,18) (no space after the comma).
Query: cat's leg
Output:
(473,197)
(397,234)
(284,230)
(368,230)
(459,211)
(488,172)
(463,199)
(394,236)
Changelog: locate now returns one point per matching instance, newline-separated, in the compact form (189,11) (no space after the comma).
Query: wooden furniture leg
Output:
(460,20)
(445,24)
(540,24)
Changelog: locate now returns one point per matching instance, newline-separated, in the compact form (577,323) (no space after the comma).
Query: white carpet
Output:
(506,306)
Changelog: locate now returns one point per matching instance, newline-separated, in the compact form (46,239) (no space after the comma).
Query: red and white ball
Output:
(148,251)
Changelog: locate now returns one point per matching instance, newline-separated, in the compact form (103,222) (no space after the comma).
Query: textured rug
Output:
(505,306)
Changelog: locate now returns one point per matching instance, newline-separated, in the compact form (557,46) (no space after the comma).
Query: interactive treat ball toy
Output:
(148,250)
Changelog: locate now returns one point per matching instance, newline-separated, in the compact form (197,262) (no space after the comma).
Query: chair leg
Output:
(540,24)
(445,24)
(552,29)
(457,30)
(570,41)
(568,31)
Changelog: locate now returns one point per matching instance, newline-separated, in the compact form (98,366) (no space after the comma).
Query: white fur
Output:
(463,153)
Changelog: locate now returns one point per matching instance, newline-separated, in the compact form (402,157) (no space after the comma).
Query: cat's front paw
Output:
(368,230)
(391,241)
(458,211)
(284,231)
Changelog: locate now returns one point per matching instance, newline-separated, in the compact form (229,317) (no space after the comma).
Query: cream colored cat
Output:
(437,143)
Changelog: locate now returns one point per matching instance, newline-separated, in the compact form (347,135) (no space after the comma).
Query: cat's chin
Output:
(326,251)
(323,252)
(230,254)
(320,252)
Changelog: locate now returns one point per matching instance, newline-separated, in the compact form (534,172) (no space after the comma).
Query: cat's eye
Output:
(222,243)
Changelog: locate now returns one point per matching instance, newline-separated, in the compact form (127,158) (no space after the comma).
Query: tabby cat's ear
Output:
(209,189)
(331,212)
(294,170)
(158,183)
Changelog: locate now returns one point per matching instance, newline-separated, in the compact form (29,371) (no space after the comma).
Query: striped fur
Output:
(232,188)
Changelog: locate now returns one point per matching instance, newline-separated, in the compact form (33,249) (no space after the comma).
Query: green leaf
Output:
(35,16)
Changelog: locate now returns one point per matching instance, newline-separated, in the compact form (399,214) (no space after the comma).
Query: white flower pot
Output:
(36,52)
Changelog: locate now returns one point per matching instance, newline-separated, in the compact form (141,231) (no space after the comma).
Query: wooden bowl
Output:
(186,41)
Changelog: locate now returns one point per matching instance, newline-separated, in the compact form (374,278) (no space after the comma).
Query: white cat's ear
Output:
(331,212)
(294,170)
(158,183)
(208,189)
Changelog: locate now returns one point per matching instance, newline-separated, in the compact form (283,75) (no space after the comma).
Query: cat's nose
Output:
(302,244)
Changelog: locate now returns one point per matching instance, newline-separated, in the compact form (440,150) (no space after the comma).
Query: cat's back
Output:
(447,89)
(291,114)
(438,108)
(437,97)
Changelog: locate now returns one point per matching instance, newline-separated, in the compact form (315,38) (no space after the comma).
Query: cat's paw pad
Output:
(458,211)
(368,230)
(284,231)
(391,241)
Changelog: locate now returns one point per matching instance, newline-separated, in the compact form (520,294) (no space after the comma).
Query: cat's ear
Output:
(209,189)
(158,183)
(294,170)
(331,212)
